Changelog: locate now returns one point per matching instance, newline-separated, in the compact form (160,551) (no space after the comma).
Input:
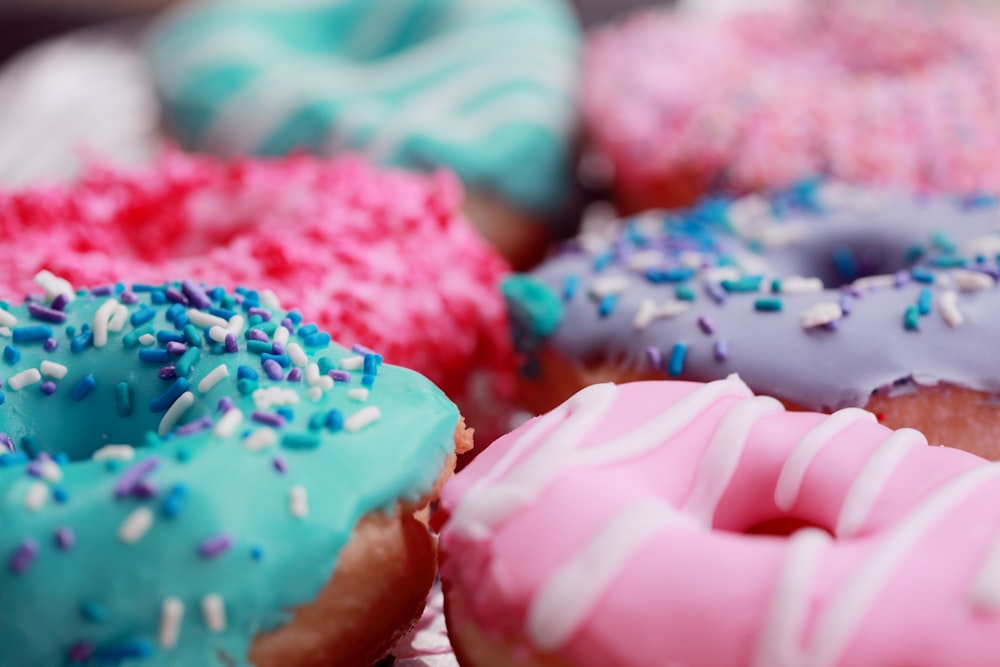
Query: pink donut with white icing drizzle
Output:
(624,529)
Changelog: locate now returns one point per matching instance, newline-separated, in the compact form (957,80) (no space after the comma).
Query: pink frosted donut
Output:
(378,257)
(635,525)
(890,93)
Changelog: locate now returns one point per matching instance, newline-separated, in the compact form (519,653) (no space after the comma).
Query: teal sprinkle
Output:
(70,331)
(768,305)
(31,446)
(131,339)
(913,254)
(677,356)
(93,611)
(776,285)
(11,354)
(922,275)
(268,327)
(676,274)
(316,421)
(259,347)
(911,318)
(325,365)
(684,293)
(112,465)
(607,304)
(187,361)
(123,399)
(246,386)
(183,455)
(191,335)
(949,261)
(2,398)
(254,320)
(300,441)
(943,242)
(924,301)
(256,553)
(83,387)
(744,284)
(532,304)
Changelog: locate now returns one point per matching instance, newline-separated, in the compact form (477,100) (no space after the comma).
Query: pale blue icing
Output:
(103,597)
(894,332)
(485,87)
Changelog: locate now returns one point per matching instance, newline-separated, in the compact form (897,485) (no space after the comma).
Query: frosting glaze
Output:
(637,503)
(181,467)
(818,296)
(485,87)
(781,91)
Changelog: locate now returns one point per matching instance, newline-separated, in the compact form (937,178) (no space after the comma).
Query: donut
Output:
(380,257)
(680,104)
(824,296)
(215,482)
(653,514)
(484,87)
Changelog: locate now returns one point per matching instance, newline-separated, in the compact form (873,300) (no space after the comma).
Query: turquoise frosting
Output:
(260,528)
(485,87)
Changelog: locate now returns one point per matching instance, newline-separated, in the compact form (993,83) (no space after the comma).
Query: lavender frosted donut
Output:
(825,297)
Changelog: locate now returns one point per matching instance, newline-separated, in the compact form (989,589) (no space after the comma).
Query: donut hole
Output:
(783,526)
(842,261)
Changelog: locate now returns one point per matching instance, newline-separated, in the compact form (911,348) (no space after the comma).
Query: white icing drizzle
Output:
(984,594)
(786,491)
(778,642)
(717,465)
(562,604)
(871,480)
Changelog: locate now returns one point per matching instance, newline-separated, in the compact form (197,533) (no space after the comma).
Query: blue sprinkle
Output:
(174,502)
(2,398)
(30,445)
(286,412)
(607,304)
(216,293)
(174,313)
(256,552)
(280,359)
(124,651)
(371,363)
(141,316)
(295,316)
(142,287)
(154,355)
(321,339)
(83,387)
(571,285)
(167,398)
(163,336)
(224,313)
(60,494)
(13,459)
(922,275)
(93,611)
(32,333)
(11,354)
(602,261)
(334,420)
(246,372)
(924,301)
(677,356)
(367,380)
(845,262)
(744,284)
(158,296)
(82,342)
(307,330)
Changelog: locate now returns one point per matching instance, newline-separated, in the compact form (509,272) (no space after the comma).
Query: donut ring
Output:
(636,501)
(824,297)
(184,469)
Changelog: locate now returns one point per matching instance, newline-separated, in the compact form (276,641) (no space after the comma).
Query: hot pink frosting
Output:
(890,93)
(613,531)
(378,257)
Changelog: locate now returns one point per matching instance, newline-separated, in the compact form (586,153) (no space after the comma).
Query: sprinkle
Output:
(362,418)
(246,386)
(706,325)
(175,295)
(175,412)
(274,396)
(654,357)
(135,525)
(147,339)
(924,301)
(142,316)
(258,335)
(744,284)
(236,325)
(185,364)
(282,334)
(262,438)
(320,339)
(366,380)
(7,318)
(31,334)
(334,420)
(972,281)
(23,556)
(948,304)
(80,652)
(36,496)
(48,470)
(820,314)
(114,453)
(312,375)
(83,387)
(93,611)
(273,369)
(279,465)
(297,355)
(799,285)
(214,612)
(53,370)
(65,538)
(267,418)
(677,356)
(649,312)
(205,320)
(53,285)
(156,356)
(720,351)
(171,615)
(50,344)
(355,363)
(881,281)
(608,285)
(314,393)
(128,480)
(358,394)
(167,398)
(40,312)
(195,294)
(123,399)
(100,322)
(218,334)
(215,545)
(298,502)
(767,305)
(911,318)
(167,373)
(300,441)
(174,502)
(213,377)
(232,346)
(340,376)
(24,379)
(715,291)
(11,354)
(119,653)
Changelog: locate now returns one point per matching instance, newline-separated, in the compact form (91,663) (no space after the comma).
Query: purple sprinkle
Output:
(832,325)
(268,418)
(50,344)
(128,480)
(40,312)
(195,426)
(224,405)
(81,651)
(101,290)
(60,302)
(654,357)
(167,373)
(721,350)
(195,294)
(175,348)
(846,303)
(277,348)
(65,538)
(273,369)
(279,464)
(23,557)
(264,313)
(340,375)
(295,375)
(706,325)
(231,346)
(144,488)
(257,334)
(358,348)
(288,324)
(6,441)
(128,297)
(715,291)
(48,387)
(901,278)
(215,545)
(175,295)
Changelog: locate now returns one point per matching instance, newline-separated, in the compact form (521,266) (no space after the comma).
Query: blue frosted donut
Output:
(182,467)
(485,87)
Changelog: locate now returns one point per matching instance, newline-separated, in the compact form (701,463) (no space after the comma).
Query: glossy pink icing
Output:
(376,256)
(613,532)
(767,97)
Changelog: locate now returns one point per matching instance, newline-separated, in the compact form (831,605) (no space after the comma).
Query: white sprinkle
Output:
(24,379)
(782,234)
(352,363)
(262,438)
(281,335)
(644,259)
(326,383)
(269,299)
(54,285)
(214,377)
(362,418)
(608,285)
(6,332)
(171,614)
(218,334)
(719,274)
(236,325)
(883,280)
(312,374)
(228,424)
(135,525)
(268,397)
(972,281)
(649,311)
(296,354)
(204,320)
(7,318)
(948,303)
(800,285)
(116,452)
(147,339)
(214,612)
(37,496)
(174,413)
(315,393)
(298,503)
(100,322)
(118,318)
(820,314)
(358,394)
(50,471)
(53,370)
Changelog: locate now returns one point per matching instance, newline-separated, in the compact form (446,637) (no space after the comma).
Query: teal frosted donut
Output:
(183,467)
(485,87)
